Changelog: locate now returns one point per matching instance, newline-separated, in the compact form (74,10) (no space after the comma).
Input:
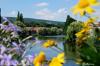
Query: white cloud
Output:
(13,13)
(97,13)
(98,16)
(62,10)
(45,14)
(67,0)
(51,15)
(41,4)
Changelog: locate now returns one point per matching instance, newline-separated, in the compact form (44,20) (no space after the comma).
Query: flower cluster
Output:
(85,7)
(6,59)
(85,32)
(57,61)
(87,36)
(49,43)
(11,47)
(41,60)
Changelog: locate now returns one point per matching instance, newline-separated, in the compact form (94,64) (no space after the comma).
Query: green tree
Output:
(69,20)
(0,15)
(20,20)
(69,44)
(18,16)
(72,29)
(20,24)
(54,30)
(21,17)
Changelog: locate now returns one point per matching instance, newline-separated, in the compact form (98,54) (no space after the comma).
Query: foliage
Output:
(81,41)
(69,20)
(90,52)
(90,56)
(20,24)
(20,17)
(0,15)
(20,20)
(70,43)
(30,22)
(50,31)
(11,46)
(85,38)
(73,28)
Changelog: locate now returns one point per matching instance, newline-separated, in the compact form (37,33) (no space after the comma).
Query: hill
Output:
(39,22)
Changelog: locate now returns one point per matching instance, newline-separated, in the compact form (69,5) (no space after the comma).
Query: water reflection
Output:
(36,47)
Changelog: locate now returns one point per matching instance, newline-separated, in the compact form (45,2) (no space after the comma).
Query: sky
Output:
(56,10)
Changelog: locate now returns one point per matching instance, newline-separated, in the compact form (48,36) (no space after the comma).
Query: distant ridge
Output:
(32,19)
(38,21)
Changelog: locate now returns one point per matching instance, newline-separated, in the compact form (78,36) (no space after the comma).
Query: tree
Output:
(20,24)
(18,16)
(72,29)
(19,20)
(0,15)
(70,39)
(69,20)
(21,17)
(54,30)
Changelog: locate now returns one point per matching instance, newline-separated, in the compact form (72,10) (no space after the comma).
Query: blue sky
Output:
(56,10)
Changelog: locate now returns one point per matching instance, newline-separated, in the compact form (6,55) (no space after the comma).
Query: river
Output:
(34,47)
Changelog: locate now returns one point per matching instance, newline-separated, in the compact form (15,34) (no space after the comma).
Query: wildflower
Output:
(7,61)
(98,38)
(57,61)
(14,63)
(49,43)
(27,61)
(2,49)
(14,44)
(88,23)
(94,2)
(82,35)
(78,61)
(23,62)
(38,60)
(84,7)
(29,58)
(14,35)
(8,26)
